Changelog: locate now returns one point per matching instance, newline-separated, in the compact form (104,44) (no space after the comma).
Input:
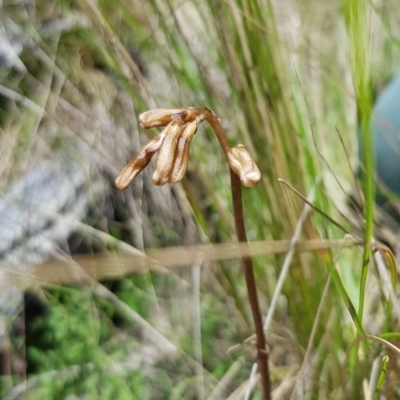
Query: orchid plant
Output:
(173,147)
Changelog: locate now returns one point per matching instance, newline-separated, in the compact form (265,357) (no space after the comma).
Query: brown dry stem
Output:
(262,350)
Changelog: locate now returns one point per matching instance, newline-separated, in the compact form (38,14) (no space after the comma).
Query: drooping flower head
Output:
(173,147)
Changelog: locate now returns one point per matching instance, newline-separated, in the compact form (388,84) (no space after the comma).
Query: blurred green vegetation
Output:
(286,78)
(70,341)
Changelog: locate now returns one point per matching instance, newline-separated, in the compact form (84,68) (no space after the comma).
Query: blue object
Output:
(385,129)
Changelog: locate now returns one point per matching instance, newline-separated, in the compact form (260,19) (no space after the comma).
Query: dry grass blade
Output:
(113,265)
(313,206)
(375,339)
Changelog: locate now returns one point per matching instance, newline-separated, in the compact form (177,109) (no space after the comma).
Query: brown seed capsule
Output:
(163,116)
(160,117)
(138,163)
(182,151)
(243,165)
(166,155)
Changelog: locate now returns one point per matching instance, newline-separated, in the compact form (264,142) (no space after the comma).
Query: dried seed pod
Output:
(166,155)
(160,117)
(182,151)
(138,163)
(163,116)
(243,165)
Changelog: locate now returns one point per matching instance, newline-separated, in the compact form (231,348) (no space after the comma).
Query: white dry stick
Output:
(281,279)
(196,275)
(373,379)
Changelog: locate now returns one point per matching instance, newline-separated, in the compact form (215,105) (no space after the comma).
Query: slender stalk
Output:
(262,351)
(236,188)
(215,124)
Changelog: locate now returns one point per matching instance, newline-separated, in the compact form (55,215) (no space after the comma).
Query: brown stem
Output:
(215,124)
(236,187)
(262,351)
